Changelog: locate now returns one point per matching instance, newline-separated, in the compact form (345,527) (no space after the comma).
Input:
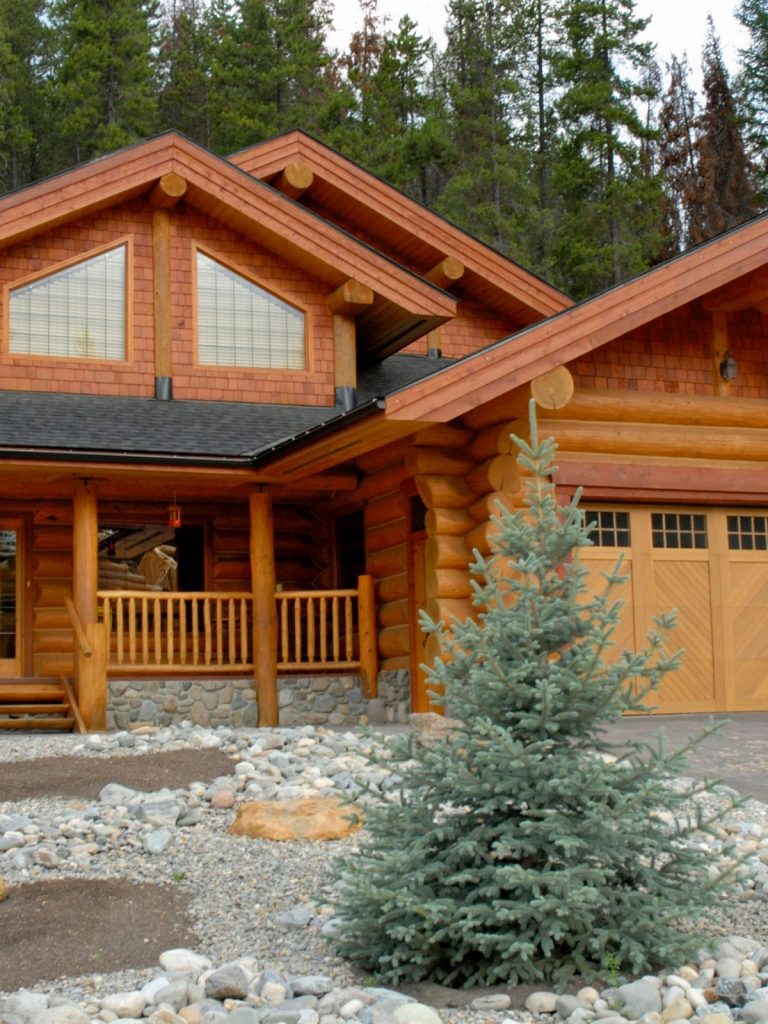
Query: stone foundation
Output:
(335,701)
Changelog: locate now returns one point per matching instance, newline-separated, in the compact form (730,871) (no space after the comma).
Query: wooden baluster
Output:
(310,629)
(107,607)
(207,628)
(232,659)
(132,629)
(144,630)
(323,629)
(183,630)
(336,638)
(348,627)
(285,650)
(120,630)
(158,631)
(243,632)
(219,634)
(195,632)
(170,615)
(297,644)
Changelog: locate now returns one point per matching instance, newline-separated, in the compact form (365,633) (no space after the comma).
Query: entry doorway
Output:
(11,597)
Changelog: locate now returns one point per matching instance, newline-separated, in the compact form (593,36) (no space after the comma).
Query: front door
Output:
(11,597)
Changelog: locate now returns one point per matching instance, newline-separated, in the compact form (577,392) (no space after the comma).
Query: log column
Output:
(262,549)
(90,664)
(345,303)
(719,350)
(163,197)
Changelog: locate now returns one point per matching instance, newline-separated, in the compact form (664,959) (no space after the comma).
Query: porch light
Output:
(729,368)
(174,515)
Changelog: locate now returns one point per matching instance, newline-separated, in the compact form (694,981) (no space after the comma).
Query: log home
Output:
(255,415)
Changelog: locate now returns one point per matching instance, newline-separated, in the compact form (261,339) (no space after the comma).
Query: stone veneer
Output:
(303,700)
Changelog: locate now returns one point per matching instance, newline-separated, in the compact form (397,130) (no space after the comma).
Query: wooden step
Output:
(30,704)
(30,724)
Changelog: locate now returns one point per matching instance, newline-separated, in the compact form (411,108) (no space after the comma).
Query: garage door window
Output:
(609,529)
(748,533)
(683,530)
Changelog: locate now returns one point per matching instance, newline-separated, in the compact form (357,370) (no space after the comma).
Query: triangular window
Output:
(78,313)
(240,324)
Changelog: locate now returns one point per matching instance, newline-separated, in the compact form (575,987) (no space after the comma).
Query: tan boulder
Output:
(313,818)
(431,727)
(4,887)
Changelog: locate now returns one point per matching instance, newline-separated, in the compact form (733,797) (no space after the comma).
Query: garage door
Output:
(712,566)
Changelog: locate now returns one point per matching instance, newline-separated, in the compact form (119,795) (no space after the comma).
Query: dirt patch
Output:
(85,777)
(83,926)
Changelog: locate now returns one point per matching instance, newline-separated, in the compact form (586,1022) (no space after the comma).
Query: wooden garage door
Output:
(711,565)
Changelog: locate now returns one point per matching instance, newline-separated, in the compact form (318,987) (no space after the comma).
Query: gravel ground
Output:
(238,887)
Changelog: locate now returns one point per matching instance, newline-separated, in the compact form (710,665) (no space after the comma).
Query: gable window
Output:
(78,313)
(241,324)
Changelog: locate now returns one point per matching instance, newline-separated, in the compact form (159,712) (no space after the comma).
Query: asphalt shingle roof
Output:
(123,425)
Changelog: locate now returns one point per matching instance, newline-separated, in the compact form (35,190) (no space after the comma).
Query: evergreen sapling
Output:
(521,848)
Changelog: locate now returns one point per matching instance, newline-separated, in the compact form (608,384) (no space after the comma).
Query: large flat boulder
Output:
(313,818)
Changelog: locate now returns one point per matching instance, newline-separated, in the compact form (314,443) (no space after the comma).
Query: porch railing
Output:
(317,630)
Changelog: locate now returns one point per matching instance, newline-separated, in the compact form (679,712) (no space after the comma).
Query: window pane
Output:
(609,529)
(77,313)
(679,530)
(747,533)
(241,324)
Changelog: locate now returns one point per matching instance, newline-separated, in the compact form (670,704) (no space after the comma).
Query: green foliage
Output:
(753,84)
(516,851)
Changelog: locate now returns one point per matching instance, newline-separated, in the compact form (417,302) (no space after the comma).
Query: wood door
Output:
(11,597)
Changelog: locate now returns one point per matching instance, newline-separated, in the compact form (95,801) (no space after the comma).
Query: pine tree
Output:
(185,56)
(725,188)
(24,64)
(752,84)
(515,850)
(677,145)
(609,208)
(104,89)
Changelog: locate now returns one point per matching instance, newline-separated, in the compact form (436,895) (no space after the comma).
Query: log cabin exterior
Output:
(187,502)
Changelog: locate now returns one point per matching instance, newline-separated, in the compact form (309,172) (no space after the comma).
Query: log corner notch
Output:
(167,191)
(296,179)
(344,304)
(554,389)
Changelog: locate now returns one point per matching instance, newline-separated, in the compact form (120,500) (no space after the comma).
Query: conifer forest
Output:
(547,128)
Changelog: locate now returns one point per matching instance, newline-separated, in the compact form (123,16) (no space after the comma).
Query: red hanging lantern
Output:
(174,515)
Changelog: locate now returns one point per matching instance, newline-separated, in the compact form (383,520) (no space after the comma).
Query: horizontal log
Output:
(395,664)
(499,410)
(292,570)
(350,298)
(392,588)
(442,609)
(55,617)
(453,583)
(168,191)
(231,570)
(51,593)
(444,492)
(437,462)
(394,641)
(52,538)
(53,664)
(445,273)
(479,538)
(394,613)
(383,481)
(500,473)
(46,641)
(388,562)
(443,435)
(489,504)
(495,440)
(226,542)
(453,522)
(388,534)
(52,563)
(386,510)
(380,458)
(445,553)
(657,408)
(653,439)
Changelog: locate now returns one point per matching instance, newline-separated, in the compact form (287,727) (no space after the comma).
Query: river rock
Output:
(228,982)
(541,1002)
(125,1004)
(184,961)
(313,818)
(638,998)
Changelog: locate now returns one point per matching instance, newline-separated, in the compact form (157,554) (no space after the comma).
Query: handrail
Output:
(81,726)
(77,625)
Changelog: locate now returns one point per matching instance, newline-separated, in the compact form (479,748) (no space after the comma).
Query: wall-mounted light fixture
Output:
(729,368)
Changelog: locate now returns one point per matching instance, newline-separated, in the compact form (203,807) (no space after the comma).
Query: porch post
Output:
(264,606)
(90,666)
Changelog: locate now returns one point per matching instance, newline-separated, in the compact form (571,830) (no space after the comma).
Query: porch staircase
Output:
(32,704)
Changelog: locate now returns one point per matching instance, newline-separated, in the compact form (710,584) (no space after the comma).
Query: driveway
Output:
(736,755)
